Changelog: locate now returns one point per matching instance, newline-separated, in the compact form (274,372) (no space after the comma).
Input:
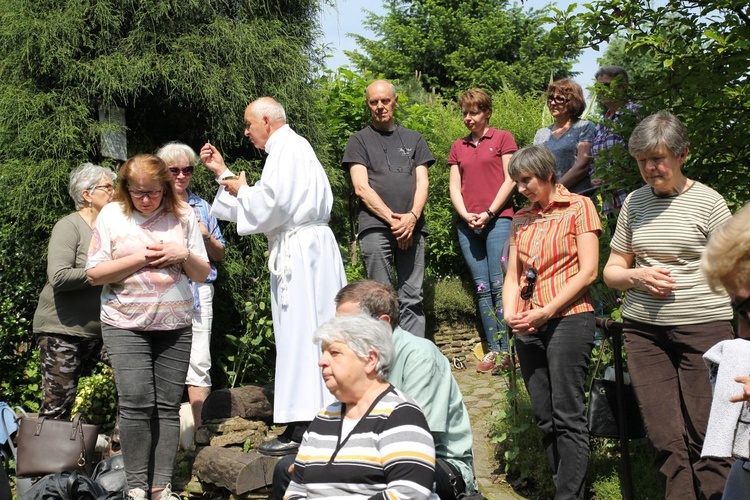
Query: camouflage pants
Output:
(62,358)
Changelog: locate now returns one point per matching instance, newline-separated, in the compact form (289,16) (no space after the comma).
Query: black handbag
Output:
(110,474)
(46,446)
(602,411)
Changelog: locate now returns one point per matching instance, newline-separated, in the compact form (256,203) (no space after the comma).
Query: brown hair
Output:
(154,168)
(570,90)
(373,298)
(478,98)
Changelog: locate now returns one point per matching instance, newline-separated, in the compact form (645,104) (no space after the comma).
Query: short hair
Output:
(659,130)
(576,104)
(173,152)
(154,168)
(726,259)
(612,72)
(361,333)
(268,107)
(376,298)
(85,177)
(392,87)
(535,160)
(476,98)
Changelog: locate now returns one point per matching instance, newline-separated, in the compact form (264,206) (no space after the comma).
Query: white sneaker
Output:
(137,494)
(168,494)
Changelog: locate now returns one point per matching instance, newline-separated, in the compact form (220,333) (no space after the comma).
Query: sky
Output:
(348,15)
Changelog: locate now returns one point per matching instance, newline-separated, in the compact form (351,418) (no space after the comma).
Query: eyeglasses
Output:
(186,171)
(558,99)
(107,187)
(528,290)
(742,309)
(139,195)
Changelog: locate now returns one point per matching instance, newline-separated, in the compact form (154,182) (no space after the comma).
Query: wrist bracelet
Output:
(186,257)
(490,213)
(415,215)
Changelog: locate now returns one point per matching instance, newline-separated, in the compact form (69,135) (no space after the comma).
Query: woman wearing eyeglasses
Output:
(181,160)
(569,138)
(66,321)
(671,317)
(480,190)
(553,259)
(145,247)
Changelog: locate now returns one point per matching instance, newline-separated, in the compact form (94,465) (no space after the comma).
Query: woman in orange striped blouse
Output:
(554,257)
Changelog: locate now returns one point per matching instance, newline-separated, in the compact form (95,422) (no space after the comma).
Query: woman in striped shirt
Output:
(671,316)
(373,442)
(553,259)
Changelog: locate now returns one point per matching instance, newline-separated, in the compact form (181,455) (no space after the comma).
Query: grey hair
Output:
(173,152)
(612,72)
(85,177)
(268,107)
(659,130)
(535,160)
(392,87)
(361,333)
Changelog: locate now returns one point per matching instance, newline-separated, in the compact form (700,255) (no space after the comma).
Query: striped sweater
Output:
(672,232)
(389,454)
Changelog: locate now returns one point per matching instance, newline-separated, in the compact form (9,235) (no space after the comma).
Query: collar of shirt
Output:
(277,136)
(561,197)
(487,135)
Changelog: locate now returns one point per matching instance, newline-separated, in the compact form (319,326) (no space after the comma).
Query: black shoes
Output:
(278,447)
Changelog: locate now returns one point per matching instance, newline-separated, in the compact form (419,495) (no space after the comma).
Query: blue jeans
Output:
(554,363)
(150,369)
(380,253)
(482,253)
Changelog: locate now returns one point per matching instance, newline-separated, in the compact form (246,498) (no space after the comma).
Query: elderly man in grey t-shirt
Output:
(388,166)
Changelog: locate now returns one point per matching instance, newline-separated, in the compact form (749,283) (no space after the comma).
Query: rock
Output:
(250,402)
(233,470)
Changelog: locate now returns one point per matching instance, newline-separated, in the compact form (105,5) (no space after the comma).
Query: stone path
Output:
(481,392)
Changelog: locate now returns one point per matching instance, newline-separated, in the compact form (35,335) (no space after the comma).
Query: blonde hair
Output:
(154,168)
(726,260)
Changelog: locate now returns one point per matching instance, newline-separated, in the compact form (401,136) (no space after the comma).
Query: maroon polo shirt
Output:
(481,168)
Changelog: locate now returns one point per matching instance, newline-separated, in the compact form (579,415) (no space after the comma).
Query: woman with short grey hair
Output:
(66,321)
(671,316)
(371,420)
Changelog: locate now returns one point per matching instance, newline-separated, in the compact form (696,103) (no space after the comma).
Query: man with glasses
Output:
(181,160)
(291,204)
(609,142)
(388,167)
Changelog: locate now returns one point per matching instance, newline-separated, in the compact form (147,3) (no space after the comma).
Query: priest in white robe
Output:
(291,205)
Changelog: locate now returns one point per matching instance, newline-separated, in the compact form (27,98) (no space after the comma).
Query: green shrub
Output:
(96,398)
(452,300)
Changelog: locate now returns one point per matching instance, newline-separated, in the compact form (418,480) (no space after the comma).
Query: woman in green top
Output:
(66,320)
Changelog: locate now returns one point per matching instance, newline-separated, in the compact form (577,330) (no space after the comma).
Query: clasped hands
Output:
(528,322)
(402,227)
(477,221)
(655,280)
(213,160)
(164,254)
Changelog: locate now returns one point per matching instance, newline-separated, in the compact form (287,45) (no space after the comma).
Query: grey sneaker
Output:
(168,494)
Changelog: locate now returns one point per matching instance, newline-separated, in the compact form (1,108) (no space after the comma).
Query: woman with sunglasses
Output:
(480,189)
(569,138)
(181,160)
(671,317)
(145,247)
(553,259)
(66,321)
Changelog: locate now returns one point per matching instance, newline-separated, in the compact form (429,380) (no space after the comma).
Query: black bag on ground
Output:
(69,486)
(110,473)
(602,411)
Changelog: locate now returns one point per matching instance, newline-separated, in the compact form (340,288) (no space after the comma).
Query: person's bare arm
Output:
(580,168)
(369,197)
(620,274)
(403,224)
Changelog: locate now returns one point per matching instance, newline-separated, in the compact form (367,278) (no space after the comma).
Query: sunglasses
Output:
(558,99)
(741,309)
(528,290)
(186,171)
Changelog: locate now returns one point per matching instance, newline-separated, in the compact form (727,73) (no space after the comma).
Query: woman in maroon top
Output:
(480,189)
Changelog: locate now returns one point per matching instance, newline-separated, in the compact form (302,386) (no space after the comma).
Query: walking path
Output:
(481,392)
